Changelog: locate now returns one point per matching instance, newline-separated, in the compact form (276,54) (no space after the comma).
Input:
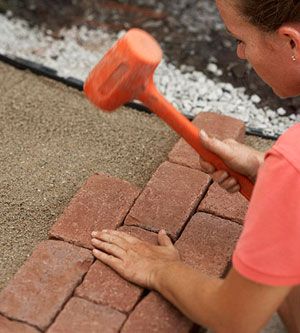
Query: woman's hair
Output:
(269,15)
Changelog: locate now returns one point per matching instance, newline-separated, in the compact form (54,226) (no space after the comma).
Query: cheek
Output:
(264,71)
(269,67)
(259,60)
(253,54)
(255,50)
(273,75)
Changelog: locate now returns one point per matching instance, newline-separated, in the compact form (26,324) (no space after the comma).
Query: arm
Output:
(231,305)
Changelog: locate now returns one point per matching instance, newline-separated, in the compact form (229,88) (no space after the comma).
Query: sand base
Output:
(52,140)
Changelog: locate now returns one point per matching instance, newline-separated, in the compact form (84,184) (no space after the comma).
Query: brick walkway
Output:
(61,288)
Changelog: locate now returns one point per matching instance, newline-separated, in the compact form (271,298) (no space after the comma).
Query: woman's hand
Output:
(238,157)
(135,260)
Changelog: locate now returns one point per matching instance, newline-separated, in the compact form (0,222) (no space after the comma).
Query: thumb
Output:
(216,146)
(163,239)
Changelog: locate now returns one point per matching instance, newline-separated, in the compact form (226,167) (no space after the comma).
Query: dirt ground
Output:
(51,141)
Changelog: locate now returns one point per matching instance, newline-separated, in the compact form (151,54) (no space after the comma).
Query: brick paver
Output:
(221,203)
(169,199)
(207,243)
(51,288)
(44,283)
(102,285)
(140,233)
(10,326)
(219,126)
(81,316)
(155,314)
(102,202)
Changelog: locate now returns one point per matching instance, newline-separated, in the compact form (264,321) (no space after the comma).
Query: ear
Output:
(291,34)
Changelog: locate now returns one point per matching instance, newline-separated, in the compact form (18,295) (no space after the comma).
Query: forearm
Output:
(193,293)
(260,156)
(234,304)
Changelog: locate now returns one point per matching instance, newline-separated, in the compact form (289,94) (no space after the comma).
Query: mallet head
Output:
(124,71)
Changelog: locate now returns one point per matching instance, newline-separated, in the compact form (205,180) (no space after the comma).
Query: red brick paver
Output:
(81,316)
(51,289)
(219,126)
(155,314)
(207,243)
(140,233)
(102,285)
(9,326)
(102,202)
(169,199)
(44,283)
(221,203)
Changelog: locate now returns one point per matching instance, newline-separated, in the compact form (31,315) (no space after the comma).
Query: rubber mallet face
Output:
(124,71)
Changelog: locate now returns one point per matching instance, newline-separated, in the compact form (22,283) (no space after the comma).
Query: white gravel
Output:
(79,49)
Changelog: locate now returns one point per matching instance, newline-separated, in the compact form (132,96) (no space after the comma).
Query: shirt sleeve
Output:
(268,250)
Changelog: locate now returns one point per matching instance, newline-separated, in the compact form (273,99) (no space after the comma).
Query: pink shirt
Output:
(268,250)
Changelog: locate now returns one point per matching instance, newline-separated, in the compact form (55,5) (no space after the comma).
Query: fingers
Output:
(108,237)
(109,260)
(220,148)
(220,176)
(216,146)
(234,189)
(116,237)
(163,239)
(130,239)
(227,182)
(109,248)
(206,167)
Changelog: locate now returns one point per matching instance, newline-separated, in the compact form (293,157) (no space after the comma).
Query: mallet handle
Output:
(152,98)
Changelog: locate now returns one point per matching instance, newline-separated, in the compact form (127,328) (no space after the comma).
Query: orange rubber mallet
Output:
(126,73)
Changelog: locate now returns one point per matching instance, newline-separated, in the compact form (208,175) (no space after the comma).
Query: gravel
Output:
(73,52)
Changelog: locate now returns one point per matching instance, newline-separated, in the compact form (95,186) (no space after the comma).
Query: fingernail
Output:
(224,176)
(163,231)
(94,234)
(203,134)
(104,230)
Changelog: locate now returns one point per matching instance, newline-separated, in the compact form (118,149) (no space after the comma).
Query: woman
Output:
(266,262)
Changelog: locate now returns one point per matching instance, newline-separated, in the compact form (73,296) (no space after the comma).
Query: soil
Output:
(184,40)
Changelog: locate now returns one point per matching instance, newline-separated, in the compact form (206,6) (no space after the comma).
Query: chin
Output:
(287,93)
(284,94)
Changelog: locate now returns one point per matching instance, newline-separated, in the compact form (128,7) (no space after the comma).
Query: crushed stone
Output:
(76,50)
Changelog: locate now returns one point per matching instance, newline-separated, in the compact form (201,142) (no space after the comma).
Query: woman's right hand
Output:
(237,156)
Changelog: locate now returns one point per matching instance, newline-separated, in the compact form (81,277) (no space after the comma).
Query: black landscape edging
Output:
(70,81)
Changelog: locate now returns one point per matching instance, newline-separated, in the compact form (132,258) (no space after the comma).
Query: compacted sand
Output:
(51,141)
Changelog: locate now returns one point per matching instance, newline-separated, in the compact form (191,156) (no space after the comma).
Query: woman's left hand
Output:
(135,260)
